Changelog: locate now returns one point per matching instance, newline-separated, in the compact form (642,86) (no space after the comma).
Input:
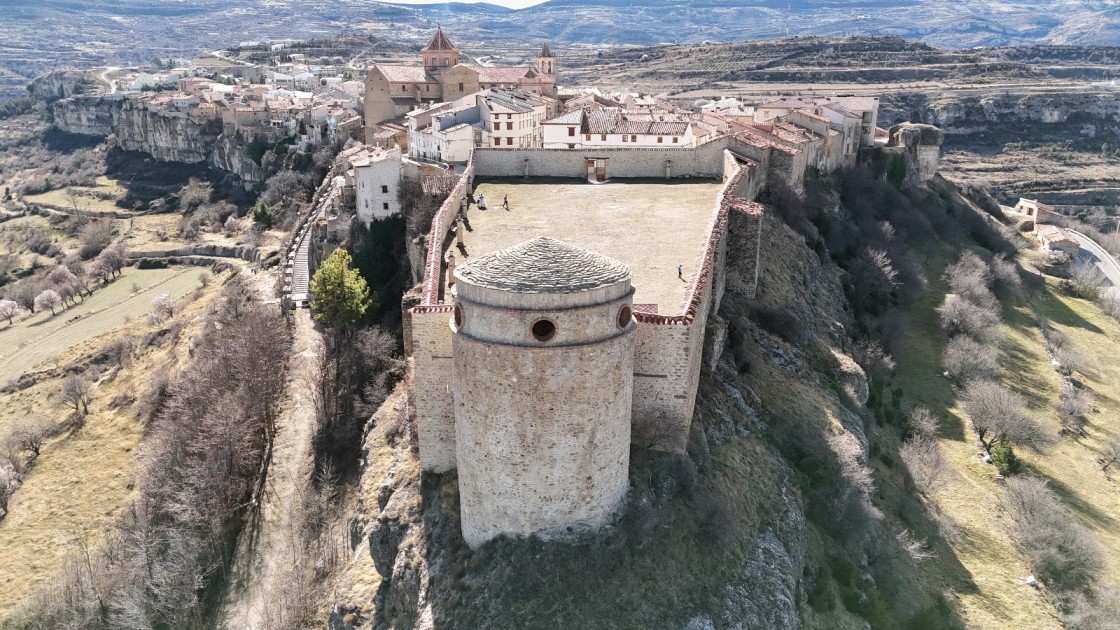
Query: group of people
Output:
(481,202)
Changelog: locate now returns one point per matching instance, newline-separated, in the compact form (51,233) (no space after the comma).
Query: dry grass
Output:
(99,199)
(43,338)
(83,478)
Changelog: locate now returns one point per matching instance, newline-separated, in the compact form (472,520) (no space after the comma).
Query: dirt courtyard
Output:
(650,226)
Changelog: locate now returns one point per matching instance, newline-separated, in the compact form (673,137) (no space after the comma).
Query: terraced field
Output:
(42,338)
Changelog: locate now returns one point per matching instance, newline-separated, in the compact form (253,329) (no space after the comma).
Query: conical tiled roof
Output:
(545,51)
(439,41)
(543,265)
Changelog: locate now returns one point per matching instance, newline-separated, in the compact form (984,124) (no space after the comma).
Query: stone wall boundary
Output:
(441,225)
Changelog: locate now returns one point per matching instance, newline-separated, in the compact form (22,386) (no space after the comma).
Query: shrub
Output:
(967,360)
(96,236)
(780,322)
(1003,456)
(963,317)
(1061,553)
(1073,405)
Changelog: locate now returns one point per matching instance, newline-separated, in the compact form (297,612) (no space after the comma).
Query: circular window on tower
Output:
(543,330)
(624,315)
(458,316)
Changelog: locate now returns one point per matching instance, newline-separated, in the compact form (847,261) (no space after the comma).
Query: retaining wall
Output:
(705,161)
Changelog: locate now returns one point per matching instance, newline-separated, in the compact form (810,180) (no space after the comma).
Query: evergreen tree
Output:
(339,294)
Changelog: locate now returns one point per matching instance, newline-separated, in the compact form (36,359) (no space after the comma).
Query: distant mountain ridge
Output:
(40,36)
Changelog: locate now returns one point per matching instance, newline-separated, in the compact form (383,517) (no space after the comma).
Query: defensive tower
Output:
(543,375)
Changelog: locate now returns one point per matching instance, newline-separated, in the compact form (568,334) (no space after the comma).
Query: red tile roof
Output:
(500,74)
(405,74)
(439,41)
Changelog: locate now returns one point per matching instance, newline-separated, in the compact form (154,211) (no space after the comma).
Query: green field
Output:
(41,338)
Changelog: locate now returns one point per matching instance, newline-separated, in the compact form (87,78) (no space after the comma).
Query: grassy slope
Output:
(987,597)
(42,337)
(83,478)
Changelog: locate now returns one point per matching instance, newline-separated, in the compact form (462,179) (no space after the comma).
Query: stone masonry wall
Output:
(669,350)
(431,382)
(543,435)
(705,161)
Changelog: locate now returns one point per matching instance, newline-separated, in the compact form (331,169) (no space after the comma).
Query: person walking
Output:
(505,202)
(680,272)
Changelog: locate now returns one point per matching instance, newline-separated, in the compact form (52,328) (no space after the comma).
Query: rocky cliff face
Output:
(63,84)
(165,135)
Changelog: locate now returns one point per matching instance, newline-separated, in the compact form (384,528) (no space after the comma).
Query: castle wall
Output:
(431,381)
(542,434)
(705,161)
(669,350)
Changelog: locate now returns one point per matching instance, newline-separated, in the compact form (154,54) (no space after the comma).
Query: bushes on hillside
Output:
(997,413)
(1061,553)
(966,360)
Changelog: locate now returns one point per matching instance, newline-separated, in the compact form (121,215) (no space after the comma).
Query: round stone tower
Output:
(543,349)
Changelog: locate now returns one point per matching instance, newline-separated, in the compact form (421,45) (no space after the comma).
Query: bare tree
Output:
(9,309)
(995,410)
(1074,403)
(1111,453)
(48,299)
(1070,359)
(924,423)
(916,549)
(962,316)
(1061,552)
(966,360)
(164,306)
(925,462)
(31,435)
(113,258)
(1085,281)
(76,392)
(1005,273)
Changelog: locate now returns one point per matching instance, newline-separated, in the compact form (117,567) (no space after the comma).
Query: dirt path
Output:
(270,544)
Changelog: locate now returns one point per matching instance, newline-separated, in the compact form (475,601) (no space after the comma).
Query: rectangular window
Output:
(675,139)
(385,206)
(384,188)
(571,146)
(404,88)
(460,87)
(625,138)
(509,116)
(427,88)
(587,137)
(571,131)
(509,141)
(633,138)
(509,126)
(497,141)
(603,137)
(660,140)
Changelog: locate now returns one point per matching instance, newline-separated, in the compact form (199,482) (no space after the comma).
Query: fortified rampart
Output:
(504,411)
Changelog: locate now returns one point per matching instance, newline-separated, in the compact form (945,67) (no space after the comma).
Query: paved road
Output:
(1093,253)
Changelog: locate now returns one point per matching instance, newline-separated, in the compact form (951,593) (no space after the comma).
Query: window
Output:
(427,88)
(404,88)
(458,316)
(543,330)
(497,141)
(446,62)
(633,138)
(509,116)
(603,137)
(624,317)
(571,146)
(509,141)
(675,139)
(460,86)
(385,206)
(587,137)
(509,126)
(571,131)
(384,188)
(625,138)
(660,140)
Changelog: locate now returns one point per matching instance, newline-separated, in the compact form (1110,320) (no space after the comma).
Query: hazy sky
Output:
(513,4)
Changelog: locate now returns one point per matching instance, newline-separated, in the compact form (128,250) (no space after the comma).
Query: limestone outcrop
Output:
(165,134)
(62,84)
(922,144)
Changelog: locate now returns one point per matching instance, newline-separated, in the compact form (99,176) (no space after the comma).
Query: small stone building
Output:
(543,354)
(1056,239)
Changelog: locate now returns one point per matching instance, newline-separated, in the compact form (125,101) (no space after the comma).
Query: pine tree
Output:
(339,293)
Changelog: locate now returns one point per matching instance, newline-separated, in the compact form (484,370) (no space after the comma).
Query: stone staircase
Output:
(296,281)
